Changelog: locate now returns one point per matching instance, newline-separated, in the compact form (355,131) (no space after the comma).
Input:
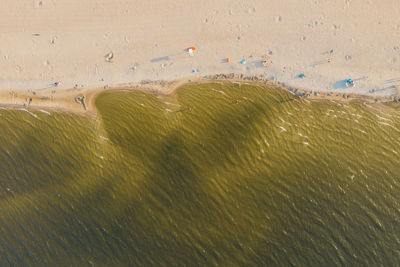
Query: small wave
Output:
(219,91)
(384,123)
(382,118)
(102,138)
(34,115)
(364,132)
(282,129)
(266,142)
(44,111)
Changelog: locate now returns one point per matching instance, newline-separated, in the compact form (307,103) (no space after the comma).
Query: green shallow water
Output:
(213,175)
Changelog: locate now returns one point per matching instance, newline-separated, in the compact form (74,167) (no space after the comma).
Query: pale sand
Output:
(42,42)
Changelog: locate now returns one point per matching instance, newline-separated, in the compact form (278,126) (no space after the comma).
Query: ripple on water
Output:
(213,174)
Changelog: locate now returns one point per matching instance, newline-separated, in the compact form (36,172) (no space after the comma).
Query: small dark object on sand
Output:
(81,100)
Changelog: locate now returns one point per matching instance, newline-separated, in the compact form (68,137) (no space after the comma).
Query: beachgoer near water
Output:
(349,82)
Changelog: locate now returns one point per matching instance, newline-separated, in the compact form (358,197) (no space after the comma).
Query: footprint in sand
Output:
(53,40)
(315,23)
(251,10)
(336,27)
(134,67)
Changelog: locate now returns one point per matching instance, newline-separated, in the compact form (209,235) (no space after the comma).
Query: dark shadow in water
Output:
(178,187)
(24,171)
(178,213)
(41,171)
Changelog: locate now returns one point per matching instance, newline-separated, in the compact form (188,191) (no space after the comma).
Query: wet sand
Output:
(81,100)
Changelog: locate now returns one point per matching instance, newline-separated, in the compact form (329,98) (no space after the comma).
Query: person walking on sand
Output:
(349,83)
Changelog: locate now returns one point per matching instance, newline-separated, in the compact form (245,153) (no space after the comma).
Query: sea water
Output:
(215,174)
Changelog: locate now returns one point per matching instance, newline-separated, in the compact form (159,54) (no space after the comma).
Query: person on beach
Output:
(349,83)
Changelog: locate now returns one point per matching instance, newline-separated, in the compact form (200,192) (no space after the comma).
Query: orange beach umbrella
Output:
(191,47)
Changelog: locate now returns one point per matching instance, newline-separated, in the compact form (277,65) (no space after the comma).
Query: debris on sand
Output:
(109,57)
(266,60)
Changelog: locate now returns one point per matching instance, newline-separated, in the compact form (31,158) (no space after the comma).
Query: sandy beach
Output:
(102,44)
(199,133)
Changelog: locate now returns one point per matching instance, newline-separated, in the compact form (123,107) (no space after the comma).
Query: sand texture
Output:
(102,43)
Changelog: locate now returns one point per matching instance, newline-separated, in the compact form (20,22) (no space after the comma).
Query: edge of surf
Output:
(64,101)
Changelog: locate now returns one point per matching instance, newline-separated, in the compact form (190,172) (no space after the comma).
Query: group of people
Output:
(349,82)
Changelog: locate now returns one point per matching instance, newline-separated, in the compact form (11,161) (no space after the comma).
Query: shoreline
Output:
(313,45)
(67,100)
